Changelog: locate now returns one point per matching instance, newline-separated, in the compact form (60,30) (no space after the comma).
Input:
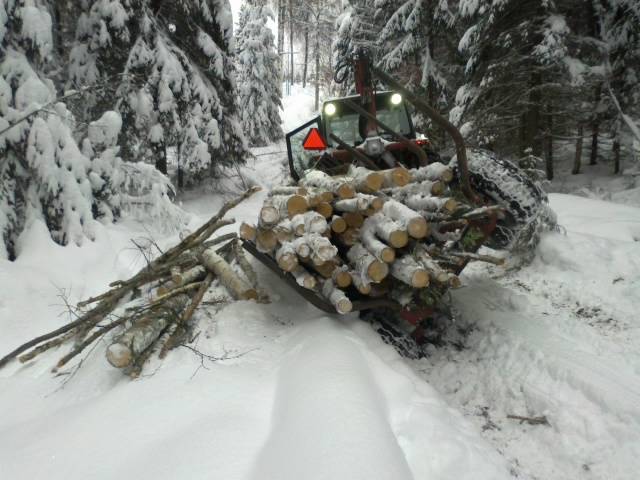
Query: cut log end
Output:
(377,271)
(398,239)
(248,232)
(343,306)
(342,278)
(338,224)
(400,176)
(296,204)
(325,209)
(388,255)
(418,228)
(420,279)
(346,191)
(269,215)
(119,355)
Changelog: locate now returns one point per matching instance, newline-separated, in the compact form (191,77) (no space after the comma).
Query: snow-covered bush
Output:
(258,74)
(147,196)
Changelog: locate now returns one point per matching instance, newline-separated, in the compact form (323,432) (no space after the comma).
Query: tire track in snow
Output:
(520,361)
(346,406)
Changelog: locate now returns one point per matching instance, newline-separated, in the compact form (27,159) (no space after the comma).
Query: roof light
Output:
(396,99)
(329,109)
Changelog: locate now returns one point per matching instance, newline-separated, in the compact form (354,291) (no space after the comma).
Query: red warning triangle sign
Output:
(314,141)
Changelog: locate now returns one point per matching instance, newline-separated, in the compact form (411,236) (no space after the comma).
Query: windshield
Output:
(345,124)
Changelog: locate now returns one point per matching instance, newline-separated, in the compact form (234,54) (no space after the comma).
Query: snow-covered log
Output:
(143,332)
(409,219)
(426,187)
(379,249)
(321,247)
(289,205)
(408,270)
(228,277)
(370,269)
(433,172)
(396,177)
(436,272)
(287,257)
(339,186)
(361,285)
(432,204)
(360,203)
(304,278)
(268,217)
(336,297)
(365,180)
(288,190)
(389,231)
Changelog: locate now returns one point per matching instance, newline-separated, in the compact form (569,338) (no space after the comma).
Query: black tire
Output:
(503,183)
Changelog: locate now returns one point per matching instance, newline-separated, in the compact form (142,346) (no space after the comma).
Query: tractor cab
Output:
(378,135)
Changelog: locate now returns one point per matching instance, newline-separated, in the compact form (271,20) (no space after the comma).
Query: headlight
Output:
(329,109)
(396,99)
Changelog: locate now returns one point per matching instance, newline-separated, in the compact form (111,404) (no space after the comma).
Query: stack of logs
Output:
(152,311)
(370,233)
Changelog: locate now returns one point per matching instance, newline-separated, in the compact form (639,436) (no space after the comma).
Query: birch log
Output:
(228,277)
(366,265)
(409,271)
(408,218)
(134,340)
(337,297)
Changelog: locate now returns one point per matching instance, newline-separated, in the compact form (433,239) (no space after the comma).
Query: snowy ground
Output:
(295,394)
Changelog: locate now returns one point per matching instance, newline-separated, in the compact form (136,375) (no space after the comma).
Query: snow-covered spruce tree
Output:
(416,45)
(356,30)
(621,34)
(259,82)
(516,57)
(43,173)
(170,63)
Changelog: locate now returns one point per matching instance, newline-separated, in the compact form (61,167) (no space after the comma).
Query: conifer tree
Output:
(259,82)
(173,75)
(43,173)
(516,56)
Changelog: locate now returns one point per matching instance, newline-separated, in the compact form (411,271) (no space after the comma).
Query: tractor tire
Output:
(501,182)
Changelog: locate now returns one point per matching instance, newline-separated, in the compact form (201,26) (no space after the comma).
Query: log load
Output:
(379,233)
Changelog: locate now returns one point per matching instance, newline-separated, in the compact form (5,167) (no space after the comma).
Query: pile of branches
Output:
(152,311)
(399,233)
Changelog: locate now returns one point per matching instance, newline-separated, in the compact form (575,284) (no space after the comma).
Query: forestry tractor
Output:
(373,131)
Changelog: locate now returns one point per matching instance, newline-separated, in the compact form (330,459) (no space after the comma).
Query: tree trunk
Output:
(281,11)
(595,126)
(317,54)
(549,149)
(533,117)
(577,162)
(291,72)
(616,154)
(160,153)
(306,57)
